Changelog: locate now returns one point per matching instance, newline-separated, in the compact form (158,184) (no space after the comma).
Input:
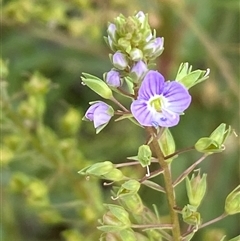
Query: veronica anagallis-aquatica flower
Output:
(160,103)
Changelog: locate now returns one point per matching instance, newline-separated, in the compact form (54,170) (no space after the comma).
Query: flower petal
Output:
(90,112)
(141,112)
(177,97)
(153,84)
(166,119)
(101,116)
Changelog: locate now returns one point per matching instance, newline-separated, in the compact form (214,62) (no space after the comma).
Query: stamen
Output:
(107,183)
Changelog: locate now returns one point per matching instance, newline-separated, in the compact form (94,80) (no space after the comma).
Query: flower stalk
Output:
(168,185)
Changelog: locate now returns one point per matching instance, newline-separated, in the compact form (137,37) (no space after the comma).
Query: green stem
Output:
(168,185)
(222,216)
(119,104)
(186,172)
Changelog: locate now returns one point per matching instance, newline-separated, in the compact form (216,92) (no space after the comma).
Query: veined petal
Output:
(166,119)
(177,96)
(153,84)
(142,114)
(101,116)
(89,114)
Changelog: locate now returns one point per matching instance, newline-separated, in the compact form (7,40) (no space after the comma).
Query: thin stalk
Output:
(222,216)
(119,104)
(186,172)
(162,226)
(179,152)
(168,185)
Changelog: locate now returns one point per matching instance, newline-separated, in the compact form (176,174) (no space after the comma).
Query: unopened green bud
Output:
(37,193)
(114,175)
(136,54)
(133,203)
(214,143)
(196,188)
(72,235)
(97,85)
(215,234)
(167,144)
(50,216)
(19,182)
(232,202)
(130,187)
(144,155)
(115,219)
(38,85)
(120,213)
(110,219)
(98,169)
(127,235)
(190,215)
(190,78)
(110,237)
(70,121)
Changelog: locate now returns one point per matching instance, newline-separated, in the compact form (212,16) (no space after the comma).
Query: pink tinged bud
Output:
(136,54)
(139,70)
(113,79)
(119,61)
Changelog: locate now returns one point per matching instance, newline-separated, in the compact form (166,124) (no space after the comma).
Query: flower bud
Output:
(112,31)
(19,182)
(110,219)
(70,121)
(132,203)
(72,235)
(113,78)
(189,78)
(232,202)
(214,143)
(97,85)
(110,237)
(190,216)
(100,113)
(127,235)
(196,188)
(167,144)
(115,219)
(154,47)
(98,169)
(128,188)
(119,60)
(114,175)
(37,193)
(138,71)
(37,84)
(136,54)
(144,155)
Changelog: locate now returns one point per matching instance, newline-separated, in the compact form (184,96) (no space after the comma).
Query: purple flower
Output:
(154,47)
(160,103)
(113,79)
(100,113)
(139,70)
(119,60)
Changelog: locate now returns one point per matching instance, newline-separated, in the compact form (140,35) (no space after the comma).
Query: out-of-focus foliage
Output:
(46,45)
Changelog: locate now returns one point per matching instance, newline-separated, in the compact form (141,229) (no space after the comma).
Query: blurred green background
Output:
(47,45)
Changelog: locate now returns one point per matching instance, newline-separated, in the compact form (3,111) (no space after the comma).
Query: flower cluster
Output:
(155,102)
